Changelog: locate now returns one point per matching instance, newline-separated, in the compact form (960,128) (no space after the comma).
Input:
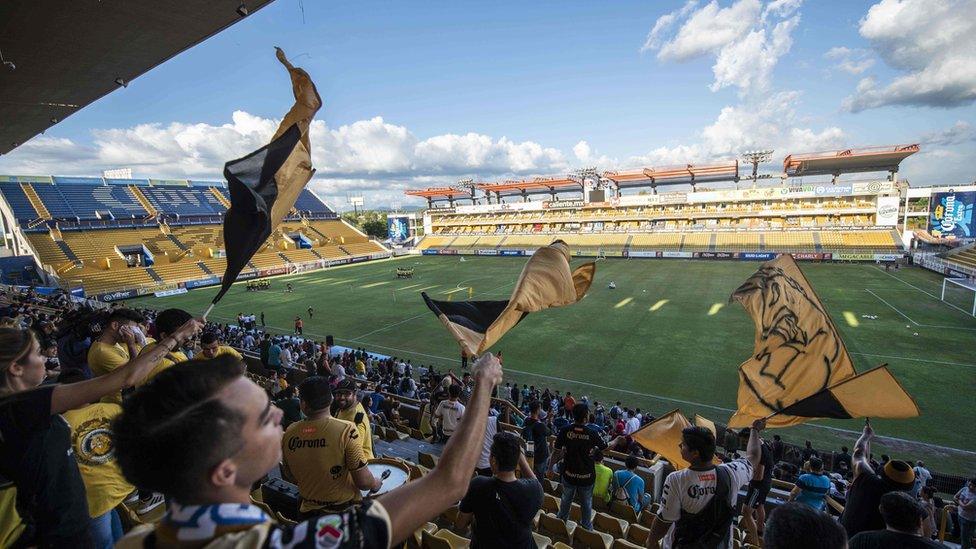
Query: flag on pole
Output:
(265,184)
(798,351)
(706,423)
(546,281)
(875,393)
(663,436)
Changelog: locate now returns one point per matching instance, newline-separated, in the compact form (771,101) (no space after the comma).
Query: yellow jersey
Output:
(221,350)
(320,456)
(104,358)
(91,440)
(357,416)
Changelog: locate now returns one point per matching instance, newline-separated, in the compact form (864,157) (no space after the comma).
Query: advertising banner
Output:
(757,256)
(838,189)
(511,252)
(116,296)
(951,214)
(807,256)
(398,228)
(429,252)
(638,253)
(248,275)
(273,271)
(561,204)
(486,252)
(715,255)
(447,252)
(209,281)
(872,187)
(167,293)
(887,212)
(853,257)
(887,257)
(683,255)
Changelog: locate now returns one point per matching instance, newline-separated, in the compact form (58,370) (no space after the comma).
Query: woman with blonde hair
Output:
(35,440)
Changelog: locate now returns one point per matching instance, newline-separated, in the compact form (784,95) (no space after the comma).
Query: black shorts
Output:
(756,495)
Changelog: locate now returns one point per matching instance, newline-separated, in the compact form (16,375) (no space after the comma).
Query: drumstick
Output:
(384,476)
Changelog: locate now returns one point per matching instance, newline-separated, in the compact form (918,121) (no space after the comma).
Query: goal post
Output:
(960,293)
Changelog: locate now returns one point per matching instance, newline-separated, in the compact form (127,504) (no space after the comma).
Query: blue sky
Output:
(421,94)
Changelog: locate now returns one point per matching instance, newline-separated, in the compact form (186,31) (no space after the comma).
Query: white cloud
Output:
(959,133)
(747,39)
(771,123)
(851,61)
(932,43)
(586,157)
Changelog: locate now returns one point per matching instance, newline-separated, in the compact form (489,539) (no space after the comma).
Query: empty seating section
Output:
(85,201)
(362,248)
(660,241)
(54,201)
(179,271)
(19,203)
(697,242)
(184,201)
(788,241)
(738,242)
(47,249)
(307,202)
(965,258)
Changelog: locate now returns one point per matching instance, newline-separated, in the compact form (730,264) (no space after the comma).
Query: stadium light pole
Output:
(756,158)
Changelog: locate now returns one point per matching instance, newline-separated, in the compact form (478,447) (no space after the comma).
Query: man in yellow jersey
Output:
(323,456)
(210,347)
(105,486)
(167,322)
(348,407)
(120,340)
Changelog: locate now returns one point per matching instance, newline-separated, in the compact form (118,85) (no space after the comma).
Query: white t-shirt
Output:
(490,430)
(632,425)
(450,414)
(690,491)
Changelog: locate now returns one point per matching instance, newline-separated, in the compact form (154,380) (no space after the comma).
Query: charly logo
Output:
(93,442)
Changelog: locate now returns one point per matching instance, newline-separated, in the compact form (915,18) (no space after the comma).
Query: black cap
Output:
(346,384)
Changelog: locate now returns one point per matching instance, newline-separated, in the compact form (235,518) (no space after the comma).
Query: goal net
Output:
(960,293)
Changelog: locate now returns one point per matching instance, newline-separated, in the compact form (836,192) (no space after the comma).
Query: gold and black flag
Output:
(798,351)
(663,435)
(546,281)
(875,393)
(265,184)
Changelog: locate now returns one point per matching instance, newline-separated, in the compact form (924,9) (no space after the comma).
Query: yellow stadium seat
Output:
(555,528)
(591,539)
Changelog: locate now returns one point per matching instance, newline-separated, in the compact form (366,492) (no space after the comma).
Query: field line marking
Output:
(680,401)
(374,284)
(407,287)
(917,359)
(623,302)
(916,323)
(387,327)
(892,306)
(933,296)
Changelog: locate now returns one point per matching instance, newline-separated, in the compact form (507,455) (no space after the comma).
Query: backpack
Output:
(405,385)
(709,527)
(620,493)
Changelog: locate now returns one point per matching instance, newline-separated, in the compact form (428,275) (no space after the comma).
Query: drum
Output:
(393,472)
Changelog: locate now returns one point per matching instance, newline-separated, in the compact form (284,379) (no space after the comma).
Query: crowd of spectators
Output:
(114,406)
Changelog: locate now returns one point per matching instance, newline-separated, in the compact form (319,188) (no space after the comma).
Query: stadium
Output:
(657,331)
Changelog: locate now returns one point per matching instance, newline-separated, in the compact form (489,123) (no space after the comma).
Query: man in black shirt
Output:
(761,483)
(503,506)
(903,516)
(536,432)
(842,461)
(777,447)
(864,494)
(577,442)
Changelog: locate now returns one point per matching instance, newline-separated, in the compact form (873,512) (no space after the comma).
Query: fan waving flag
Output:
(875,393)
(663,435)
(798,351)
(265,184)
(546,281)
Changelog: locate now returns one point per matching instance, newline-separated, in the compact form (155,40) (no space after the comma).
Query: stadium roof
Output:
(538,185)
(441,193)
(689,173)
(69,54)
(874,159)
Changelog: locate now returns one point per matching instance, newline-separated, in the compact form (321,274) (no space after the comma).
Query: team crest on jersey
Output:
(93,441)
(328,531)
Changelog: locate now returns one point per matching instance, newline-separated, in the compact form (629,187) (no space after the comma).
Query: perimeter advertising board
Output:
(951,214)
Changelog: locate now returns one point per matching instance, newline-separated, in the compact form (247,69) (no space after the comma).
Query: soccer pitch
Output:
(665,338)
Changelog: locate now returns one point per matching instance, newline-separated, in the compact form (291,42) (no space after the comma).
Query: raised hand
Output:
(488,368)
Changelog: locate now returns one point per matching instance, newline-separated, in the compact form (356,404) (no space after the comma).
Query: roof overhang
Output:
(69,54)
(875,159)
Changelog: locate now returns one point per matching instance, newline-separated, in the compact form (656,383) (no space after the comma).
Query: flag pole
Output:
(207,312)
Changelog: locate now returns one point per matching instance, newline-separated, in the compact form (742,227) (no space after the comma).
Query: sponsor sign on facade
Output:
(887,257)
(199,283)
(951,214)
(676,254)
(839,189)
(757,256)
(511,252)
(841,256)
(887,211)
(561,204)
(486,252)
(809,256)
(715,255)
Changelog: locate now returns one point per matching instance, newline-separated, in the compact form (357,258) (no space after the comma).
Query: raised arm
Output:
(862,451)
(754,447)
(448,481)
(74,395)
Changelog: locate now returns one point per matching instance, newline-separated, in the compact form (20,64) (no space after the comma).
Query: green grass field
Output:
(665,338)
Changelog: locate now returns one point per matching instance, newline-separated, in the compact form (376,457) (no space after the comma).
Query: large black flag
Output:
(265,184)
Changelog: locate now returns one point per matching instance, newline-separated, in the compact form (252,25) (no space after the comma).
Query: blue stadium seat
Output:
(54,201)
(23,210)
(183,201)
(308,202)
